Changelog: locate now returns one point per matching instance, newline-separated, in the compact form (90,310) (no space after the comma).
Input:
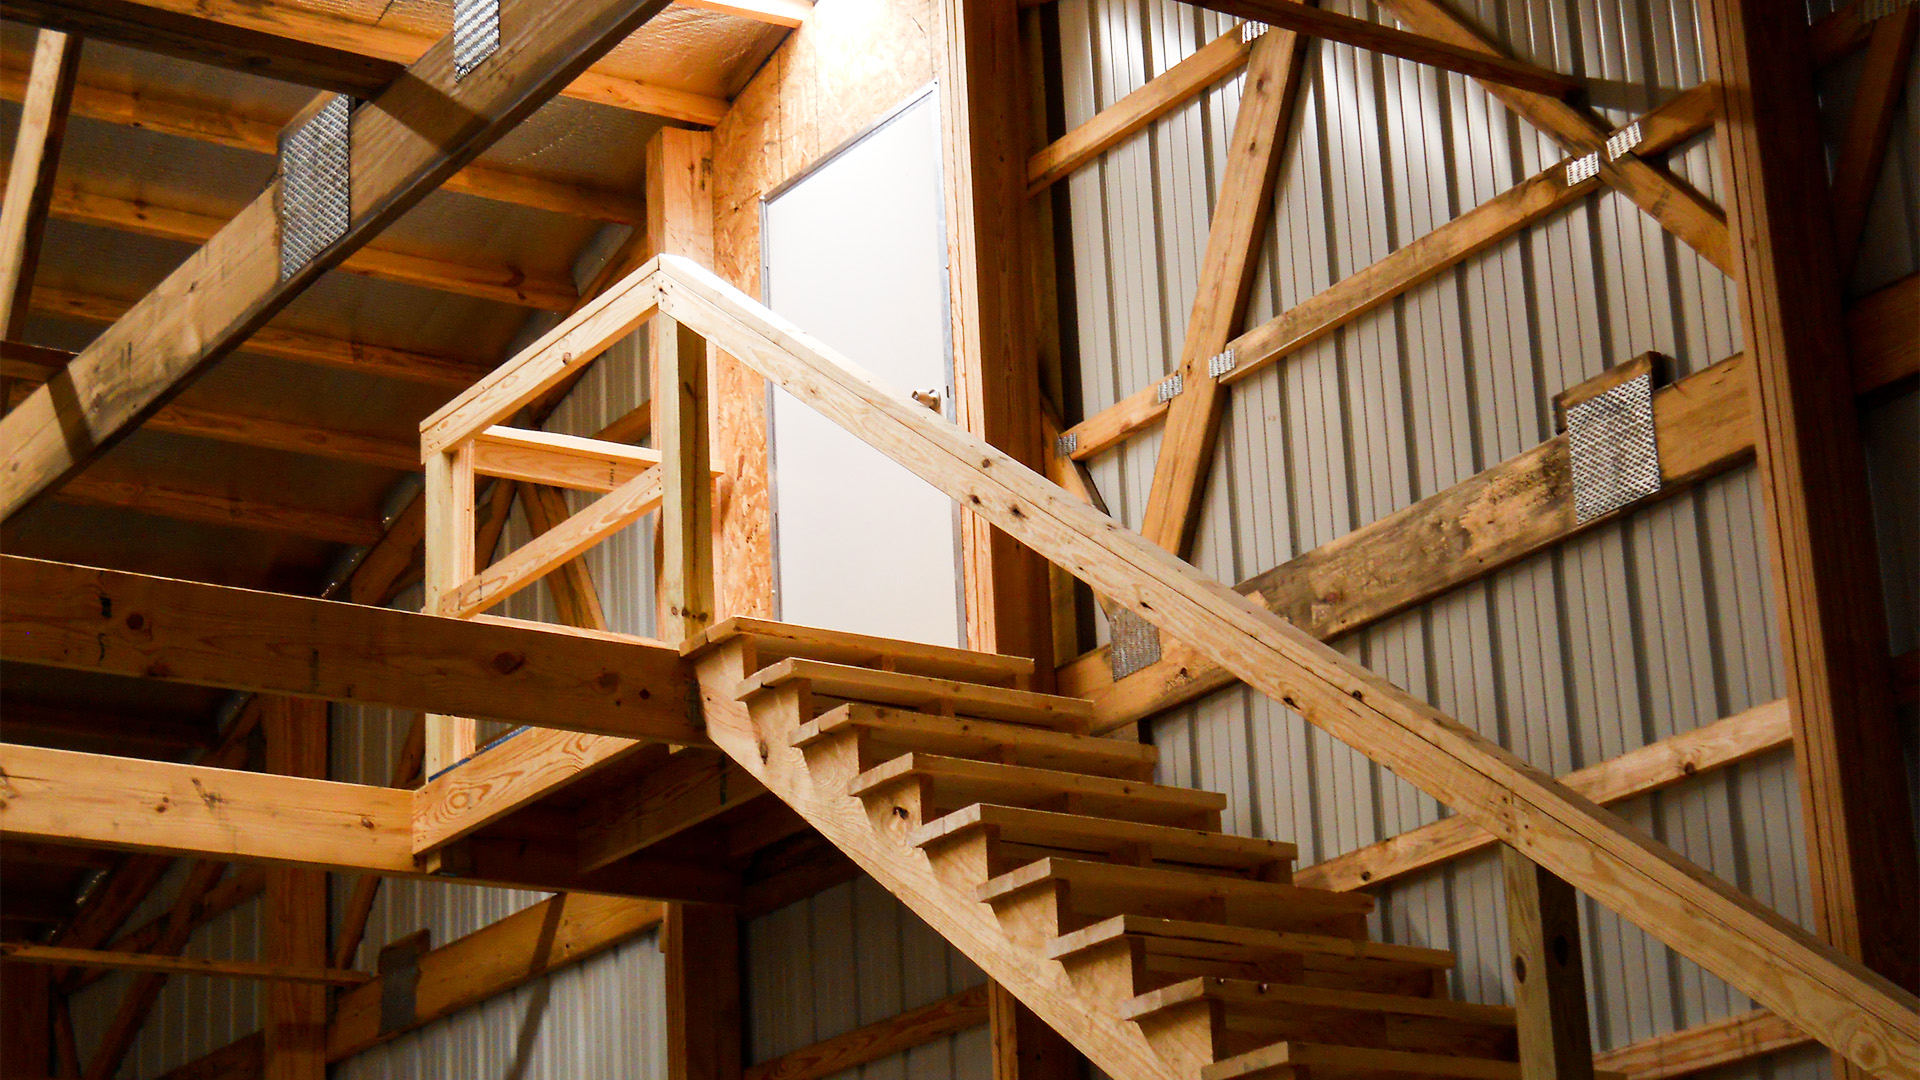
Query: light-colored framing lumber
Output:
(184,324)
(1847,1006)
(52,614)
(19,952)
(295,904)
(36,155)
(1862,867)
(1549,983)
(568,461)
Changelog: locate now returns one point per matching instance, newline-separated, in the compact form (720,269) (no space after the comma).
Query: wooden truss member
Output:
(186,324)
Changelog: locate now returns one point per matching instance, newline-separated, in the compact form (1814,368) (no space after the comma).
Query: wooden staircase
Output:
(1112,906)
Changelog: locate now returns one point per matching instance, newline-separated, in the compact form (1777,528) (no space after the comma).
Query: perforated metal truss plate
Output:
(1170,388)
(316,185)
(1135,644)
(476,33)
(1616,458)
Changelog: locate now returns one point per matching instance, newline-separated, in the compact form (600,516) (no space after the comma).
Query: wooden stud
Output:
(680,425)
(450,562)
(1550,989)
(985,133)
(1024,1047)
(296,905)
(1832,624)
(574,597)
(212,302)
(702,947)
(1226,283)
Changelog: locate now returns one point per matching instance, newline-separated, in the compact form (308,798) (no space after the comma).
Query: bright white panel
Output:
(856,255)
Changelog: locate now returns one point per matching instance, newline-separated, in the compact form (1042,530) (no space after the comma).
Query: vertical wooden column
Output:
(680,222)
(1024,1047)
(450,561)
(1549,982)
(996,361)
(680,414)
(296,905)
(702,948)
(1853,788)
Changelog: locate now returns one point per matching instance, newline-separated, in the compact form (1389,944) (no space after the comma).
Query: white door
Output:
(856,254)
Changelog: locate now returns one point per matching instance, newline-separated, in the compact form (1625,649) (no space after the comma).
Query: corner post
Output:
(686,506)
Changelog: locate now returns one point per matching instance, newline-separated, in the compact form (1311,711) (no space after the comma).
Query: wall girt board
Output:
(184,325)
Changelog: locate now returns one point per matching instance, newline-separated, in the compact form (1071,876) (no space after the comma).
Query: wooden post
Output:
(996,362)
(702,947)
(686,504)
(1549,985)
(26,1020)
(296,905)
(1853,790)
(450,561)
(1024,1047)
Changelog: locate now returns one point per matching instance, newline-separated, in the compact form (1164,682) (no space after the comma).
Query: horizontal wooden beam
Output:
(1880,336)
(551,935)
(1658,765)
(1311,21)
(26,953)
(221,124)
(568,461)
(915,1027)
(149,627)
(1519,507)
(214,508)
(267,433)
(1707,1046)
(228,815)
(499,283)
(131,732)
(1526,203)
(208,41)
(298,345)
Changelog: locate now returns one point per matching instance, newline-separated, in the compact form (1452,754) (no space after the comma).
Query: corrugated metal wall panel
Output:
(848,957)
(1634,632)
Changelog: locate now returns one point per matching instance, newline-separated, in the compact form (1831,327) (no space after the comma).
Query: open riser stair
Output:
(1112,906)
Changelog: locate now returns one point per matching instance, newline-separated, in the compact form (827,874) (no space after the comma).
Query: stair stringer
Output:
(760,739)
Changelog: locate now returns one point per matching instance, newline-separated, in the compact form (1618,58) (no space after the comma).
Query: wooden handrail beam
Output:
(569,461)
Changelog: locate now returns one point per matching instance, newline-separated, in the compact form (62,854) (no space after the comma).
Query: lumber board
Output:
(1855,1011)
(569,461)
(1706,1046)
(31,169)
(1863,146)
(1657,765)
(212,302)
(506,777)
(883,1038)
(28,953)
(216,508)
(148,627)
(693,786)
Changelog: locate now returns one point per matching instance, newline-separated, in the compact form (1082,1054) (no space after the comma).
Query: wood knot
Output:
(506,663)
(136,622)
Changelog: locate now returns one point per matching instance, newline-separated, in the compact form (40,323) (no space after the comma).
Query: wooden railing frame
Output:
(1836,1000)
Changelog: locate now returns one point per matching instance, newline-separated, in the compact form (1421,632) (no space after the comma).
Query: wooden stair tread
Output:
(1280,997)
(964,736)
(917,691)
(778,640)
(1157,883)
(1324,1062)
(1051,829)
(1250,939)
(959,782)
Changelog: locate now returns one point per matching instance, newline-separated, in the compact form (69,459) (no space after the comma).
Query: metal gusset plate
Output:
(476,34)
(316,185)
(1135,644)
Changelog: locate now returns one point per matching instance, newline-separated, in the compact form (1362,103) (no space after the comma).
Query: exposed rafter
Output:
(36,154)
(184,325)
